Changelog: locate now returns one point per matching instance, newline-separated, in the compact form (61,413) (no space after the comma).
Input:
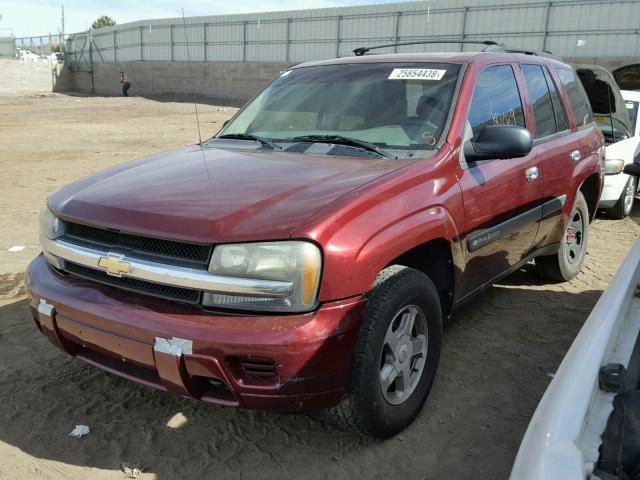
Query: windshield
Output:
(390,105)
(632,109)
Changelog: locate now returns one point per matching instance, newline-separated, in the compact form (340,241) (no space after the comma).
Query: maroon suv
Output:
(308,255)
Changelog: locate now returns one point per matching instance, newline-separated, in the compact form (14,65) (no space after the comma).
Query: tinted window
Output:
(558,106)
(496,99)
(632,109)
(540,98)
(577,96)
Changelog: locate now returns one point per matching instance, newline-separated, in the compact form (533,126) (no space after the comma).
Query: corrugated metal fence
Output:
(7,47)
(42,45)
(572,28)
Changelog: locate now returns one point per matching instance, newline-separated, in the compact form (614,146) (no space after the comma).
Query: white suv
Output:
(614,111)
(619,188)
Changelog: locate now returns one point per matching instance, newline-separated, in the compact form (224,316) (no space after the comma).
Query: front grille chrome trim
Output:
(172,275)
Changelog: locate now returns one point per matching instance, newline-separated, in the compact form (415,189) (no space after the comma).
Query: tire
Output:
(567,263)
(398,293)
(623,206)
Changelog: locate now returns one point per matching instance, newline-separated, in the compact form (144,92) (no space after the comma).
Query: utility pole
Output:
(62,41)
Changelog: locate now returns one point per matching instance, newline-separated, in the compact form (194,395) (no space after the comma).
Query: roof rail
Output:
(490,46)
(509,49)
(360,51)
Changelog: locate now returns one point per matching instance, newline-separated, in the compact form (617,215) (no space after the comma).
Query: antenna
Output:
(193,83)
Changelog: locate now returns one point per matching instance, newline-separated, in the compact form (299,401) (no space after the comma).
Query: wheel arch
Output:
(590,188)
(434,259)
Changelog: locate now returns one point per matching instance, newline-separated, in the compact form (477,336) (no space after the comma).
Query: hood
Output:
(626,150)
(604,95)
(215,195)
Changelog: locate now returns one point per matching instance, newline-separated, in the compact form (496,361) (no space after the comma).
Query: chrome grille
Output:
(165,251)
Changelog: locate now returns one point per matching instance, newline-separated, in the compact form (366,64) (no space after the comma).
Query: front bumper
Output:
(613,187)
(267,362)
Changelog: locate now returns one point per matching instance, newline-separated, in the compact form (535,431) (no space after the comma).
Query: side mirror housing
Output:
(632,169)
(498,142)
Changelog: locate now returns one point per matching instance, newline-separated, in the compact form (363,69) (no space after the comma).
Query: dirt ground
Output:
(498,355)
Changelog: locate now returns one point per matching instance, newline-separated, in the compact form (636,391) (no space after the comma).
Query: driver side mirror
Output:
(498,142)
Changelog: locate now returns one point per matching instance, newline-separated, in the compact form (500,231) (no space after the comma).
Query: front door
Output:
(501,197)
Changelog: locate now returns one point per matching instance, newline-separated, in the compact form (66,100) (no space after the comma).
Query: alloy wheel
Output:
(404,353)
(574,237)
(629,196)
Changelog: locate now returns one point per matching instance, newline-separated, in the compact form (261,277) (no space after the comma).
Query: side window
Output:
(496,99)
(632,109)
(538,89)
(577,96)
(558,107)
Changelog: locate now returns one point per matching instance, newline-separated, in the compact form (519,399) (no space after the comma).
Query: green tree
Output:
(103,21)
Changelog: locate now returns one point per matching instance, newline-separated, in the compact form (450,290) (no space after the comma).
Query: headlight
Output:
(50,226)
(613,166)
(293,261)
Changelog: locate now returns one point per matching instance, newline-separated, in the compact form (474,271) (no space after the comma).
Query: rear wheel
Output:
(567,263)
(623,207)
(396,353)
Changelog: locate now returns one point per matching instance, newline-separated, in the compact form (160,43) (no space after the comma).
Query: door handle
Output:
(531,174)
(575,156)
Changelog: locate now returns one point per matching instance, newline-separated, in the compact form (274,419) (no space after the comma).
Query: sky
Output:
(41,17)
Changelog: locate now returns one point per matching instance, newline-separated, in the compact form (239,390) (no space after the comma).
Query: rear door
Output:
(556,147)
(501,197)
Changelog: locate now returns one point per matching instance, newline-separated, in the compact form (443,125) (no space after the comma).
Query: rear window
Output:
(577,96)
(496,99)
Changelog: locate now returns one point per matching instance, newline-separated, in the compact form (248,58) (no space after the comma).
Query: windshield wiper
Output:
(250,136)
(339,139)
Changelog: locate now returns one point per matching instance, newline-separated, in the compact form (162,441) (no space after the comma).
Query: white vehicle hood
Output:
(562,440)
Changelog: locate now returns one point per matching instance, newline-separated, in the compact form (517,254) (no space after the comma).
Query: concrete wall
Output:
(23,77)
(228,82)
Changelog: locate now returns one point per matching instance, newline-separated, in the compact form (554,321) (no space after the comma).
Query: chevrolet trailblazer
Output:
(308,255)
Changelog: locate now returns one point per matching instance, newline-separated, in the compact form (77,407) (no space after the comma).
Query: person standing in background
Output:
(124,80)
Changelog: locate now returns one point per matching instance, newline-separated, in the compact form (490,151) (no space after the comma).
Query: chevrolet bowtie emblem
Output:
(114,264)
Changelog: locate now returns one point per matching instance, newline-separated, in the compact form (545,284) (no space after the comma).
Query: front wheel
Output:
(567,263)
(396,353)
(623,206)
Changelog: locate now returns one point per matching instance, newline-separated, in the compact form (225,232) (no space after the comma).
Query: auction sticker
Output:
(416,74)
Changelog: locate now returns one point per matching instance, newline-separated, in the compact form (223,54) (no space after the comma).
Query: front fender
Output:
(404,235)
(367,229)
(364,240)
(351,272)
